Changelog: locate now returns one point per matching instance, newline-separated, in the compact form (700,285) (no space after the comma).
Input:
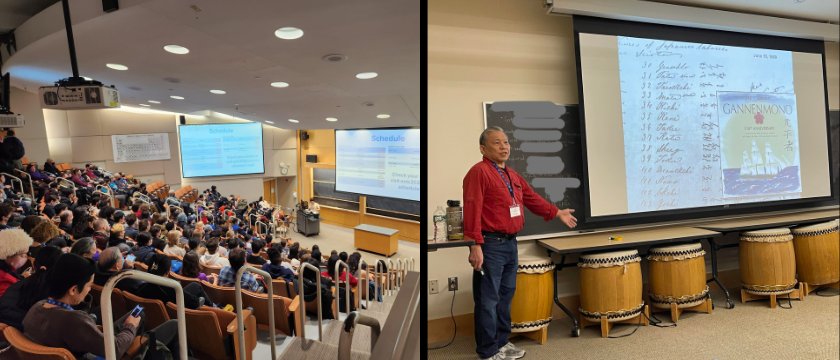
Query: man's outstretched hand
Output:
(476,257)
(566,217)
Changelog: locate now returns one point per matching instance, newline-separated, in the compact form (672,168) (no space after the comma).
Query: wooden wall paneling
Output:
(56,124)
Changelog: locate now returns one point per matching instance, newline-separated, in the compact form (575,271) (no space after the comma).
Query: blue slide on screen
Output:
(221,149)
(378,162)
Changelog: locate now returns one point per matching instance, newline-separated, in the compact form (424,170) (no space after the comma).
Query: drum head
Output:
(676,248)
(767,232)
(533,264)
(610,255)
(827,226)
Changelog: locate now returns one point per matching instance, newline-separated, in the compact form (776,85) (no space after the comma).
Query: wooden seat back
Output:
(259,304)
(182,279)
(204,331)
(141,266)
(207,270)
(26,349)
(118,306)
(220,294)
(154,309)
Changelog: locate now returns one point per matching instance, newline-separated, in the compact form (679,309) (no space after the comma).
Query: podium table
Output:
(376,239)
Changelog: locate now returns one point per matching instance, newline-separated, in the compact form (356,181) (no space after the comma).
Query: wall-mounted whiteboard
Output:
(140,147)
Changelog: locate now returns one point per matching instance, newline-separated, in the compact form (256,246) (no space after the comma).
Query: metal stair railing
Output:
(12,178)
(345,340)
(108,316)
(240,321)
(338,266)
(303,302)
(364,265)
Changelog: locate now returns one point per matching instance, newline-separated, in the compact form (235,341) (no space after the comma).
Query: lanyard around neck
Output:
(510,188)
(59,303)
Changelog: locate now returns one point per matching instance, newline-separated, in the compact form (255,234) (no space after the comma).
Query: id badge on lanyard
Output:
(515,210)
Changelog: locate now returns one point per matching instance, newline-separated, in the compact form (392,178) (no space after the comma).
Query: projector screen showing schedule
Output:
(221,149)
(378,162)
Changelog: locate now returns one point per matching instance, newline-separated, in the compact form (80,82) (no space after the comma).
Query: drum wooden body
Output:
(610,285)
(817,253)
(677,274)
(767,261)
(530,309)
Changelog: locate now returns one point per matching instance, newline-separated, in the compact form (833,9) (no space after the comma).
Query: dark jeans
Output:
(196,290)
(493,293)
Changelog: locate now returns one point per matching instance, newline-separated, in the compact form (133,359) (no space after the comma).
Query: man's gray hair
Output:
(99,224)
(109,257)
(484,133)
(123,247)
(83,246)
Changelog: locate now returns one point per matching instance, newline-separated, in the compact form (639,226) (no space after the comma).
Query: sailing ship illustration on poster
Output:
(759,144)
(756,166)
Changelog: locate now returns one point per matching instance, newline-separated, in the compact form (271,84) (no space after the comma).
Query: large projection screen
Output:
(699,124)
(221,149)
(378,162)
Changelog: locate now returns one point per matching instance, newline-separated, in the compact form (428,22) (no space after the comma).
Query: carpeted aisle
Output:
(811,330)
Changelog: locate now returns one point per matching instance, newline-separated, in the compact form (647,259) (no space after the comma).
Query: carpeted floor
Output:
(811,330)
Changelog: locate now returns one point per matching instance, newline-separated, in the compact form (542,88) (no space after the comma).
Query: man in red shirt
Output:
(493,200)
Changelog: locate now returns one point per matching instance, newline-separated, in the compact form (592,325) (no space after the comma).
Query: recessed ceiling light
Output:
(117,66)
(176,49)
(383,116)
(280,84)
(334,58)
(288,33)
(270,122)
(154,102)
(366,75)
(145,105)
(87,78)
(220,92)
(293,120)
(332,119)
(177,97)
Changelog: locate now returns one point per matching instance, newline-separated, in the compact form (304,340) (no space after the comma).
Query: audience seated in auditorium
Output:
(160,265)
(14,244)
(294,256)
(310,290)
(44,234)
(110,263)
(49,166)
(85,247)
(211,256)
(66,217)
(144,249)
(274,268)
(20,296)
(101,234)
(117,235)
(256,249)
(191,269)
(172,247)
(227,276)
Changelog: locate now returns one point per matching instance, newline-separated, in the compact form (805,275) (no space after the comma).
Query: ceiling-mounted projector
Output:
(69,97)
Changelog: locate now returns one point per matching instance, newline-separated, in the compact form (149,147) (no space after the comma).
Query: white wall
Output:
(500,50)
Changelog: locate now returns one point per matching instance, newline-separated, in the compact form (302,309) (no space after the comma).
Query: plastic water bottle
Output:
(439,218)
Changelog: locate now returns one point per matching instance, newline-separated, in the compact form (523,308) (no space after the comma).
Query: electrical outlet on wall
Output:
(433,286)
(453,284)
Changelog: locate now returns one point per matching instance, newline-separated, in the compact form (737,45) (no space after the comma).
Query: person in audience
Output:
(353,262)
(211,256)
(310,290)
(333,252)
(14,244)
(77,179)
(194,295)
(66,217)
(256,249)
(143,225)
(47,321)
(109,264)
(186,235)
(157,241)
(294,257)
(273,267)
(316,254)
(49,207)
(101,233)
(330,272)
(118,217)
(49,166)
(342,256)
(84,228)
(43,235)
(20,296)
(131,229)
(194,245)
(107,213)
(144,249)
(117,235)
(192,270)
(172,247)
(30,222)
(171,200)
(227,276)
(85,247)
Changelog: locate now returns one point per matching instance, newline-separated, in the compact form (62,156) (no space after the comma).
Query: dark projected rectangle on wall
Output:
(558,179)
(323,186)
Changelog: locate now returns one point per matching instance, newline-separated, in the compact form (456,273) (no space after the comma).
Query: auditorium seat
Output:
(183,280)
(28,350)
(117,301)
(208,327)
(207,270)
(219,294)
(155,312)
(259,303)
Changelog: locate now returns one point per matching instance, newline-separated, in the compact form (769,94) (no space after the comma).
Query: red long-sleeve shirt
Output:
(487,201)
